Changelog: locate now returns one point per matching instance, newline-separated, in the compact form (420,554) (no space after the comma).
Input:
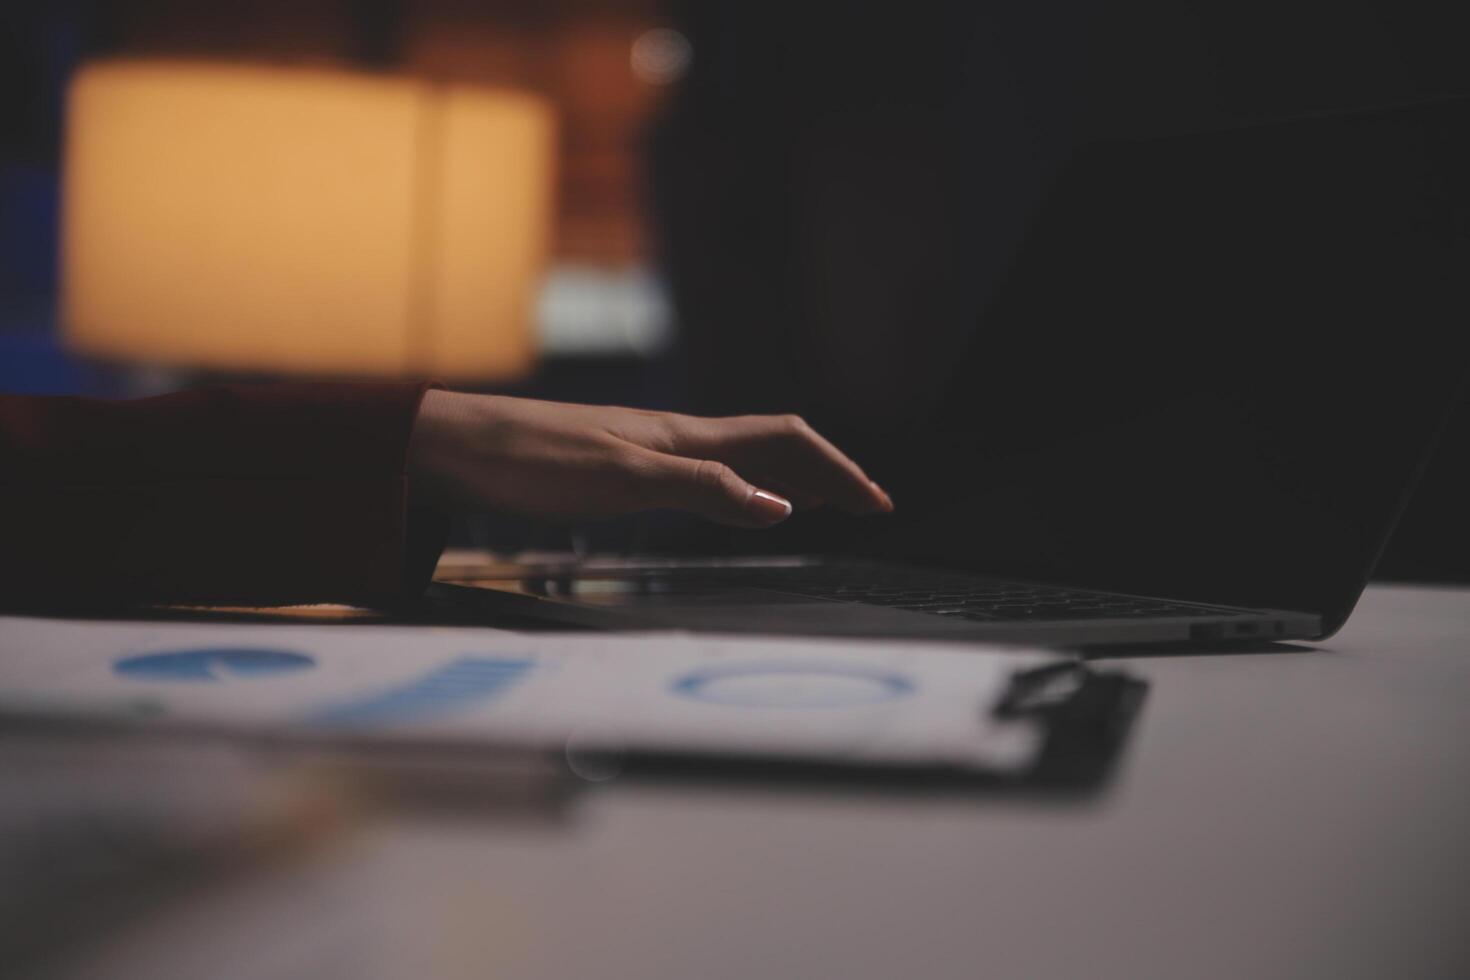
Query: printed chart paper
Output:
(865,702)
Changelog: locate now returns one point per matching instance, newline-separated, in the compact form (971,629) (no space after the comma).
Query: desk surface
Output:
(1278,814)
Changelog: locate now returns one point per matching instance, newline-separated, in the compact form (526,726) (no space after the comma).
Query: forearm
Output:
(264,494)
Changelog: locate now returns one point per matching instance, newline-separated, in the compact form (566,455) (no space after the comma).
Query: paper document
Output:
(865,702)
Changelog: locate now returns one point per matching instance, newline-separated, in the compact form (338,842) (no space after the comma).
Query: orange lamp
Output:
(303,221)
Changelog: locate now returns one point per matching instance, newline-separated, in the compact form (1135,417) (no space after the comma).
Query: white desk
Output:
(1298,814)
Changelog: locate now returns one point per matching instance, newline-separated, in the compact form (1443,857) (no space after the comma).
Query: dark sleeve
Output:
(242,494)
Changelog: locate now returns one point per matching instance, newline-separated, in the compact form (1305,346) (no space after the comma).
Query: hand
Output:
(569,462)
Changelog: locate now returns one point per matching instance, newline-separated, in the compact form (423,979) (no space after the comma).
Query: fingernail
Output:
(767,507)
(882,494)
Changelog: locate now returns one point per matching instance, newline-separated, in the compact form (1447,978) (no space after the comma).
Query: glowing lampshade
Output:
(277,219)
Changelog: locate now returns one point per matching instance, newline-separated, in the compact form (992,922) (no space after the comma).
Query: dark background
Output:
(835,190)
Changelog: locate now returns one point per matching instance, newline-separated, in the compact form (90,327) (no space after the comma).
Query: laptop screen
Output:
(1214,370)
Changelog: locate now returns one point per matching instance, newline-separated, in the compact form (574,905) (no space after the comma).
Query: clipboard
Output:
(1086,717)
(599,703)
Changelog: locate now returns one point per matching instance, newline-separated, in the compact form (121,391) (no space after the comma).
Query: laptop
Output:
(1191,413)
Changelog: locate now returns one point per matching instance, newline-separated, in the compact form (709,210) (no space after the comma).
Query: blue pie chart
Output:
(212,664)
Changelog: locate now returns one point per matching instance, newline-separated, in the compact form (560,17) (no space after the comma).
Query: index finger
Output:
(785,449)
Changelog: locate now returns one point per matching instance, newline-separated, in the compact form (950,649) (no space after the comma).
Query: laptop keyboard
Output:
(981,602)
